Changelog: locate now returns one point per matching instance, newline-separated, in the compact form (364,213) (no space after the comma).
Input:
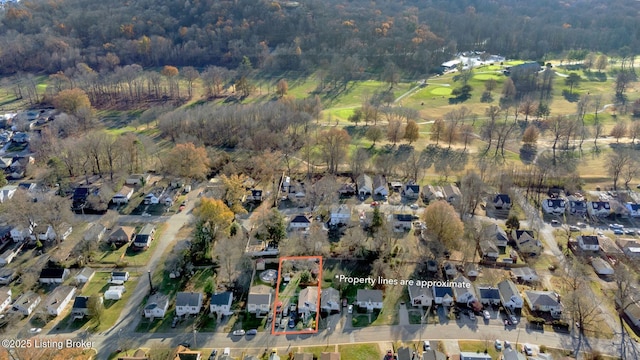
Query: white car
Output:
(350,309)
(498,345)
(616,226)
(238,332)
(527,350)
(35,330)
(426,345)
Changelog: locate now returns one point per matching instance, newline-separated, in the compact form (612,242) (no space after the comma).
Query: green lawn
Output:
(359,352)
(479,347)
(131,257)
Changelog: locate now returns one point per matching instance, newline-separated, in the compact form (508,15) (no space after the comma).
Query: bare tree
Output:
(228,252)
(617,161)
(624,299)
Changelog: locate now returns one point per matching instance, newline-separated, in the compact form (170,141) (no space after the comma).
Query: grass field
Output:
(359,352)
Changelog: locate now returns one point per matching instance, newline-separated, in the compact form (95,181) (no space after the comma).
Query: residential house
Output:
(254,195)
(186,354)
(631,310)
(512,354)
(497,235)
(432,354)
(5,234)
(502,201)
(154,196)
(259,300)
(509,296)
(634,209)
(47,233)
(443,295)
(330,356)
(452,194)
(524,274)
(5,298)
(449,269)
(308,300)
(138,179)
(21,137)
(589,243)
(114,292)
(462,294)
(300,222)
(123,195)
(19,166)
(527,244)
(221,303)
(544,301)
(7,257)
(411,191)
(489,250)
(632,251)
(84,276)
(577,206)
(330,300)
(21,233)
(369,299)
(95,232)
(380,187)
(402,222)
(598,208)
(79,198)
(26,303)
(420,296)
(121,235)
(80,307)
(5,162)
(157,306)
(119,277)
(53,275)
(59,298)
(188,303)
(471,270)
(432,193)
(489,295)
(403,353)
(143,239)
(474,356)
(601,267)
(347,190)
(340,215)
(554,206)
(27,186)
(7,276)
(7,192)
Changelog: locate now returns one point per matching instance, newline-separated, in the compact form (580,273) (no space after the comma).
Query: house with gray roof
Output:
(544,301)
(509,295)
(221,303)
(188,303)
(369,299)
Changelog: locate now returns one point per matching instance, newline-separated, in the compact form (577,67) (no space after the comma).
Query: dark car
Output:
(185,344)
(252,332)
(213,355)
(292,323)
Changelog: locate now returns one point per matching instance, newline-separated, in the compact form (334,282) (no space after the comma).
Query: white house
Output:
(119,277)
(7,192)
(402,222)
(544,301)
(308,300)
(380,186)
(21,233)
(340,215)
(221,303)
(525,274)
(26,303)
(123,195)
(330,300)
(114,292)
(259,300)
(634,209)
(509,295)
(527,244)
(502,202)
(554,206)
(46,233)
(95,232)
(84,276)
(420,296)
(53,275)
(598,208)
(467,355)
(462,294)
(601,267)
(143,239)
(497,235)
(138,179)
(364,185)
(8,256)
(59,298)
(5,298)
(432,193)
(300,222)
(449,269)
(588,243)
(411,191)
(369,299)
(188,303)
(157,306)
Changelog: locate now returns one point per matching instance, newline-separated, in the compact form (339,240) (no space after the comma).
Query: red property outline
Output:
(275,303)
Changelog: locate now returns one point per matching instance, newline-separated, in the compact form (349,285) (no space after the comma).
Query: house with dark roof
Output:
(598,208)
(221,303)
(502,201)
(348,189)
(402,222)
(432,354)
(80,307)
(554,206)
(544,301)
(119,277)
(527,244)
(411,190)
(53,275)
(403,353)
(589,243)
(369,299)
(330,300)
(144,238)
(188,303)
(577,206)
(634,209)
(58,299)
(156,307)
(254,195)
(300,222)
(443,295)
(509,295)
(186,354)
(488,295)
(420,296)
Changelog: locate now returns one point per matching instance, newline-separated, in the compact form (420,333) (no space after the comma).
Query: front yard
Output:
(125,255)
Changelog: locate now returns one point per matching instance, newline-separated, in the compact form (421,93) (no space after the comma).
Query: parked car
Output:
(618,232)
(213,355)
(555,222)
(186,344)
(574,228)
(507,344)
(239,332)
(252,332)
(293,307)
(513,319)
(350,309)
(226,351)
(486,314)
(285,312)
(527,350)
(581,225)
(35,330)
(498,345)
(629,232)
(174,323)
(292,323)
(414,206)
(472,316)
(616,226)
(426,345)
